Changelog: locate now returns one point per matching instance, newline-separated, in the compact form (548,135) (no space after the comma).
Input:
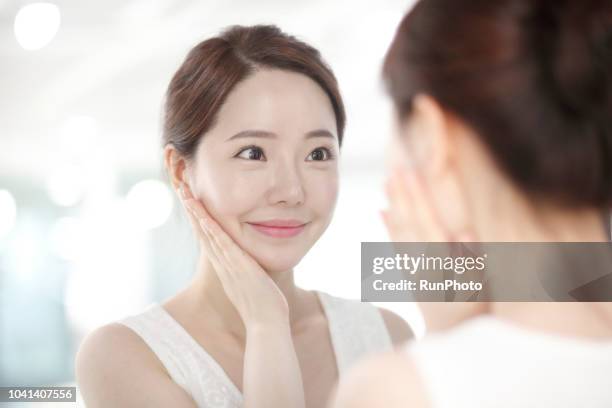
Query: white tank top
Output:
(356,329)
(489,362)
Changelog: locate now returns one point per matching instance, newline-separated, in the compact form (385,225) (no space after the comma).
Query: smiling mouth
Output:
(279,229)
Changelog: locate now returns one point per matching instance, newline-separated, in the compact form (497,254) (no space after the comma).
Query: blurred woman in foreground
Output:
(505,113)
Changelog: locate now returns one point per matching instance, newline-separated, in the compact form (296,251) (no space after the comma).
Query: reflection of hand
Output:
(411,216)
(253,293)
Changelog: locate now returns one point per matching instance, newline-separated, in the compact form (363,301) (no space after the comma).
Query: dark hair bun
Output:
(583,59)
(582,70)
(532,77)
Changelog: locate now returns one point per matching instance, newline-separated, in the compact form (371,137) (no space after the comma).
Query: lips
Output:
(279,228)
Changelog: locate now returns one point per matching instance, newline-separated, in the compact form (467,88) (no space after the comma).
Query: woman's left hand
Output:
(411,216)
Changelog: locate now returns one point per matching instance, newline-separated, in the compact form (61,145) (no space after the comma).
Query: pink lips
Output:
(279,228)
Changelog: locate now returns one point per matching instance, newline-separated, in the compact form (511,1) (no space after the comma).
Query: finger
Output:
(390,226)
(224,242)
(400,229)
(192,202)
(196,208)
(399,198)
(400,208)
(221,242)
(223,270)
(227,249)
(400,220)
(196,220)
(233,257)
(201,234)
(411,184)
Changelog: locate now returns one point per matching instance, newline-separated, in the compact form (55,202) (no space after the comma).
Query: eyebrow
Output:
(270,135)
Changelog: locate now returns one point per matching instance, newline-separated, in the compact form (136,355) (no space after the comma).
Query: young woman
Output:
(505,110)
(252,130)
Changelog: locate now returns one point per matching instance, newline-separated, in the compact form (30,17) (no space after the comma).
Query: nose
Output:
(286,186)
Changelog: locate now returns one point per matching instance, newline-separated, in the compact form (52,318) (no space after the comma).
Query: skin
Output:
(242,306)
(455,192)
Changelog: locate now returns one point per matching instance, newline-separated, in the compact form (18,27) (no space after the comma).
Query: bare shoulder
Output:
(388,380)
(115,367)
(398,328)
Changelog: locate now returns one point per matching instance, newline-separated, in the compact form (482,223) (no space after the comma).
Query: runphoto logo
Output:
(413,264)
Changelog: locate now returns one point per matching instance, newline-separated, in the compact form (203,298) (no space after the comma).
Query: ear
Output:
(432,140)
(176,166)
(427,136)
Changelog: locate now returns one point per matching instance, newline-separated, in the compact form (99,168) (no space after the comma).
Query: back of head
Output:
(533,78)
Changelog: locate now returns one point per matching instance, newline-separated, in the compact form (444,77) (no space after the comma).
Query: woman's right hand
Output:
(254,294)
(264,311)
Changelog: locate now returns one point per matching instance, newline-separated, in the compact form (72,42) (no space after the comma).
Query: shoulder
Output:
(114,366)
(112,344)
(389,379)
(398,328)
(399,331)
(109,353)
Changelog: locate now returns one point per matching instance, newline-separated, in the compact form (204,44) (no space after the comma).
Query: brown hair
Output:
(532,77)
(213,68)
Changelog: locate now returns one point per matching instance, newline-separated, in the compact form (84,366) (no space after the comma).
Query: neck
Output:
(207,296)
(526,222)
(509,216)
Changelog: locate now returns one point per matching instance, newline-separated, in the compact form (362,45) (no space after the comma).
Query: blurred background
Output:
(89,229)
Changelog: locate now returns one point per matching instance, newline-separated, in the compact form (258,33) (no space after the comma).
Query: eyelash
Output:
(330,155)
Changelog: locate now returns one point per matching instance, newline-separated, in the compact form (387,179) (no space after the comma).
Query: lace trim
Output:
(188,363)
(355,329)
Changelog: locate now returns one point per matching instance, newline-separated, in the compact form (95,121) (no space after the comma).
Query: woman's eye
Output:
(251,153)
(320,154)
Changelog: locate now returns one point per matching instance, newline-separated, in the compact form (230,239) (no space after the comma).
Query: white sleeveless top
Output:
(356,329)
(489,362)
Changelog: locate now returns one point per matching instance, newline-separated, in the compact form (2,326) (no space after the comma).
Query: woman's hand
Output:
(271,373)
(412,216)
(254,294)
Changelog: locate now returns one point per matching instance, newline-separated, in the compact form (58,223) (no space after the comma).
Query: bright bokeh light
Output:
(111,275)
(66,184)
(78,135)
(67,238)
(8,213)
(149,204)
(36,24)
(25,249)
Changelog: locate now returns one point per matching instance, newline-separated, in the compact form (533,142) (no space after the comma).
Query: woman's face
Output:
(271,157)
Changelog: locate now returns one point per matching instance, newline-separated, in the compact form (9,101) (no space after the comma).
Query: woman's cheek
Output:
(227,191)
(323,194)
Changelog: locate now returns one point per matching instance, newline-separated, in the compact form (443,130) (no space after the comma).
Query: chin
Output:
(279,264)
(277,260)
(277,255)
